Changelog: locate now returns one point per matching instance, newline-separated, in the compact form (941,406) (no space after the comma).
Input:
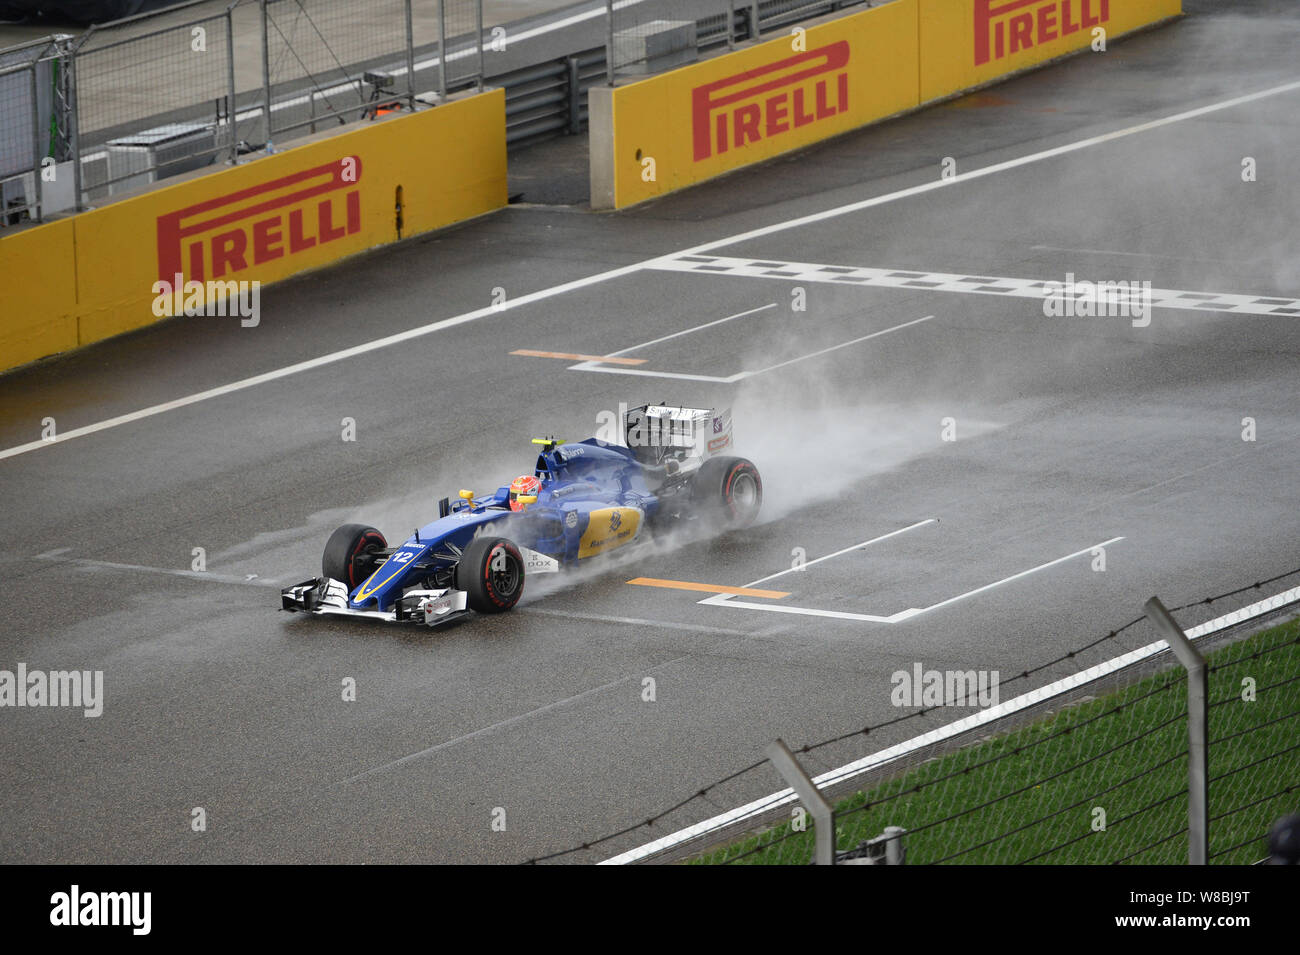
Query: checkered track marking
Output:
(967,284)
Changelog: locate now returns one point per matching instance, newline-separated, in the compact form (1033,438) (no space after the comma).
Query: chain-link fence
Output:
(329,62)
(153,97)
(649,36)
(1082,758)
(163,93)
(33,146)
(463,39)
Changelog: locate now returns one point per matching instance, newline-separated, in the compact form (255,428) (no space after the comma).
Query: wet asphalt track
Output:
(1070,432)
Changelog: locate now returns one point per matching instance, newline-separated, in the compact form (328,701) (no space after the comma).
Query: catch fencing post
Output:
(575,96)
(609,41)
(731,24)
(817,806)
(894,854)
(37,169)
(410,57)
(1197,756)
(753,21)
(266,72)
(442,50)
(230,80)
(478,32)
(74,123)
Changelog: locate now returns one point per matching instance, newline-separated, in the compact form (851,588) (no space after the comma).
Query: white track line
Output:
(740,375)
(211,577)
(902,615)
(639,622)
(936,184)
(832,777)
(825,351)
(684,331)
(720,598)
(846,550)
(1131,296)
(606,276)
(483,731)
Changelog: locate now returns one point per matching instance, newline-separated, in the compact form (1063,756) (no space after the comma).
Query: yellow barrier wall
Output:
(708,118)
(668,131)
(38,293)
(261,221)
(967,43)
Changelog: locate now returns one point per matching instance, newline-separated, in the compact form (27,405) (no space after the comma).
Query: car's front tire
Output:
(491,572)
(346,550)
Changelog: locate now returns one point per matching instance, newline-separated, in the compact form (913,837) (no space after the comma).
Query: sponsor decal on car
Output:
(609,528)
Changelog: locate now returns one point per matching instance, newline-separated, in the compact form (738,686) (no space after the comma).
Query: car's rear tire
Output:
(491,572)
(345,552)
(727,491)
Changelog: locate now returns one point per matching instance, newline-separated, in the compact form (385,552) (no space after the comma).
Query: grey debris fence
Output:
(1093,766)
(35,141)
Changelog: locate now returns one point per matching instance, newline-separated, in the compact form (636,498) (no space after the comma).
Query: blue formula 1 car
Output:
(582,501)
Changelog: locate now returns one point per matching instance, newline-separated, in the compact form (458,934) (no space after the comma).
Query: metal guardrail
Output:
(550,99)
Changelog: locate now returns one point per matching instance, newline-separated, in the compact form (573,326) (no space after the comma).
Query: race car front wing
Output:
(326,596)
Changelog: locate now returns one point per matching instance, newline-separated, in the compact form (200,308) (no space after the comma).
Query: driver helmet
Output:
(523,486)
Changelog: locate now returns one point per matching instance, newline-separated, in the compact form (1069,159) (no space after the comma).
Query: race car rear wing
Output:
(657,433)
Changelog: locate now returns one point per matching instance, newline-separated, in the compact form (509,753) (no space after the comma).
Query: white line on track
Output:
(847,550)
(639,622)
(254,581)
(606,276)
(555,705)
(722,600)
(685,331)
(856,768)
(980,284)
(740,375)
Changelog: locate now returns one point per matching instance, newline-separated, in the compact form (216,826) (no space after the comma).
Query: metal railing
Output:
(163,93)
(1106,763)
(167,92)
(34,146)
(646,37)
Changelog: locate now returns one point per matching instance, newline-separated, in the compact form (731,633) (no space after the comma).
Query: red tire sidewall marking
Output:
(731,477)
(487,572)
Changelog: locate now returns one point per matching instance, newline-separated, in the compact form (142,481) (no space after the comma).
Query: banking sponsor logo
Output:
(272,220)
(770,100)
(1004,27)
